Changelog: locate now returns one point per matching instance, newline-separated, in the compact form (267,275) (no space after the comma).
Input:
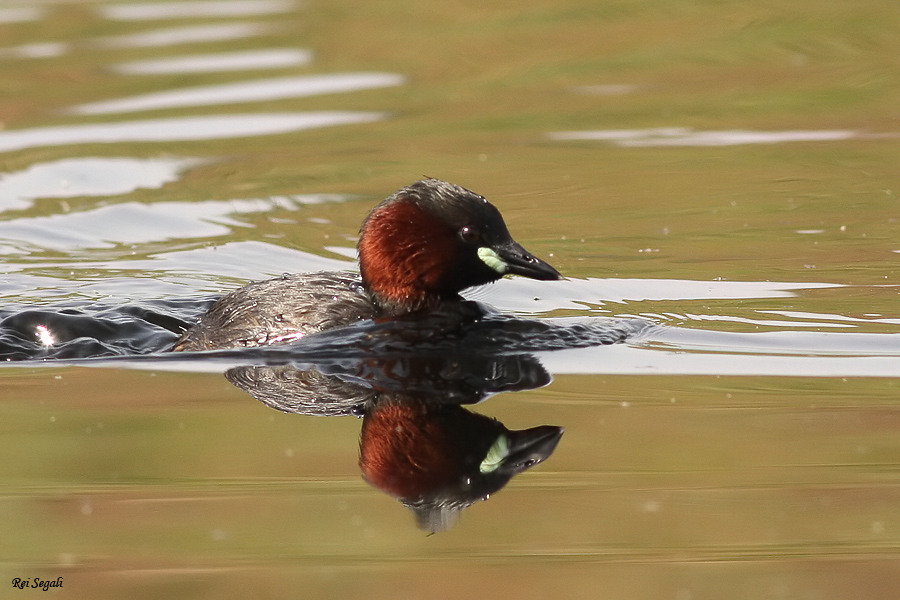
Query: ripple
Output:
(611,89)
(776,343)
(244,91)
(185,35)
(180,129)
(72,177)
(219,62)
(140,223)
(151,11)
(20,14)
(683,136)
(681,351)
(820,318)
(528,296)
(36,50)
(242,261)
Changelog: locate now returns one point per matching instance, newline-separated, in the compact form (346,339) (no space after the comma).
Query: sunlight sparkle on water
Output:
(44,336)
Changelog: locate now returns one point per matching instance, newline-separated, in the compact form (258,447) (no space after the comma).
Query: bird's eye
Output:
(470,235)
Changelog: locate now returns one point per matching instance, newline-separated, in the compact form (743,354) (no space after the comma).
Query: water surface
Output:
(725,172)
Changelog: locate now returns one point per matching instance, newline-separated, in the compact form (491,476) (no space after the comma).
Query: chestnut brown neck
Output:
(403,256)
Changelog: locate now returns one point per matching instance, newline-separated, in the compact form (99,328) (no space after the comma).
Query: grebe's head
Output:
(433,239)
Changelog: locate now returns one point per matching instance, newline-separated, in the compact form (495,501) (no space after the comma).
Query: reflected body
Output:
(418,444)
(417,250)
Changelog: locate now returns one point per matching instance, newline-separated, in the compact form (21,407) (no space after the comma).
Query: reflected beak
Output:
(529,447)
(519,261)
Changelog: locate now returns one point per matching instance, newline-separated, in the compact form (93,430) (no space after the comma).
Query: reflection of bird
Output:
(438,459)
(417,250)
(348,386)
(304,392)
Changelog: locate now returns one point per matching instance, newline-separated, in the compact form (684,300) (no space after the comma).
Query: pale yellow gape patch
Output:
(493,260)
(498,451)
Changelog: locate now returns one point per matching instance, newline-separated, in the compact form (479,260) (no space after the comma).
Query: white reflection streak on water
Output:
(180,129)
(528,297)
(20,14)
(822,316)
(37,50)
(757,322)
(667,350)
(126,223)
(187,269)
(185,35)
(73,177)
(630,360)
(275,58)
(151,11)
(683,136)
(141,223)
(244,91)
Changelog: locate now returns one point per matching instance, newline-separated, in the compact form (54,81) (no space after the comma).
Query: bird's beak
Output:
(520,261)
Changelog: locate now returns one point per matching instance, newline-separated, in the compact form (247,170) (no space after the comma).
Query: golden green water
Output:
(149,483)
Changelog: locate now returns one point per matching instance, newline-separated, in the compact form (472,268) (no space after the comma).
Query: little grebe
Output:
(417,250)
